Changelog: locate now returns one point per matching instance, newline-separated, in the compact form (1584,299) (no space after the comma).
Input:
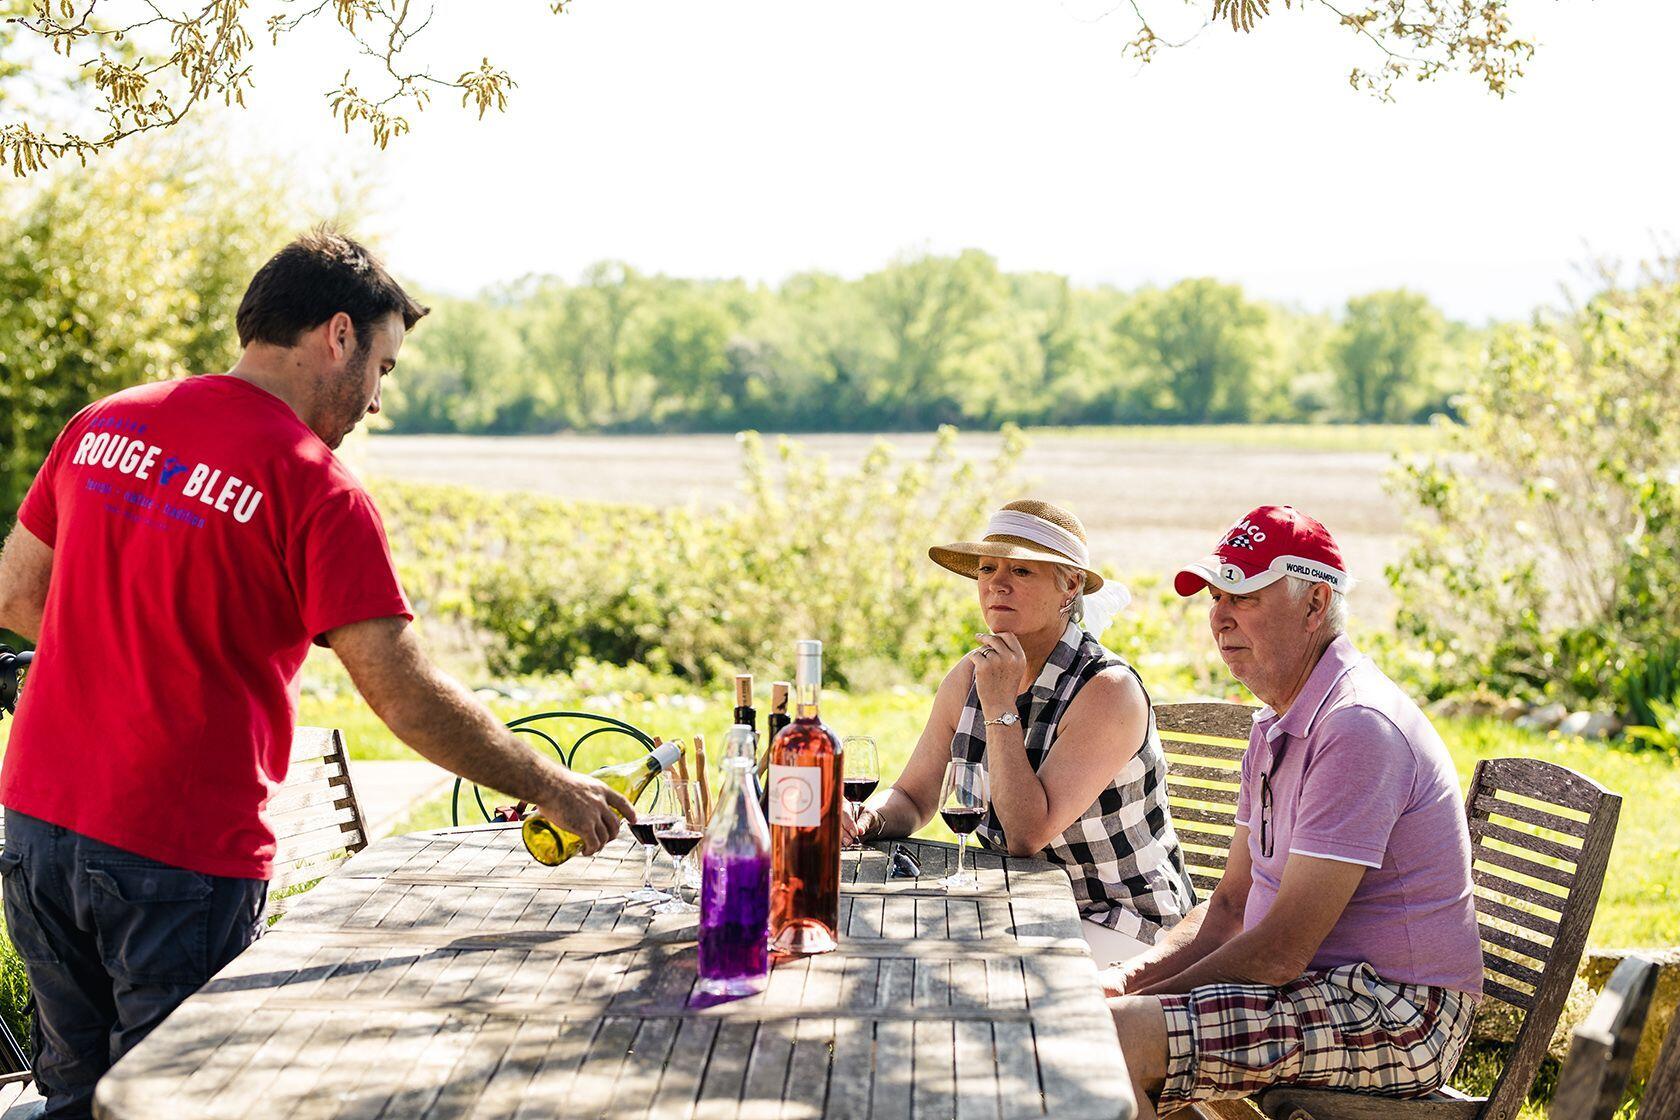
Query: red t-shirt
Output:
(202,535)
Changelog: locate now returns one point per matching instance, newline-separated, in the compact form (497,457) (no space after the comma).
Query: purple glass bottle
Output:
(735,889)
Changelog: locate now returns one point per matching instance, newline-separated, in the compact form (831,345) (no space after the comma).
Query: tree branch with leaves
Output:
(143,66)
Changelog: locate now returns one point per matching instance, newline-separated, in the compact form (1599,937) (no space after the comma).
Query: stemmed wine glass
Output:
(679,835)
(863,774)
(964,796)
(663,810)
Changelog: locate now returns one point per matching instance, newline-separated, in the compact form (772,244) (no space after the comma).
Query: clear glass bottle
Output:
(742,742)
(735,887)
(805,769)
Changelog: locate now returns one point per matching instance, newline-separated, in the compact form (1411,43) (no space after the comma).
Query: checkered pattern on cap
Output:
(1122,854)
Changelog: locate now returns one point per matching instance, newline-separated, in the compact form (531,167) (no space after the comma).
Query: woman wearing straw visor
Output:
(1062,728)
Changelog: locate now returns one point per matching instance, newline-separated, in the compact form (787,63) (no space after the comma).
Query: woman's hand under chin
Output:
(999,664)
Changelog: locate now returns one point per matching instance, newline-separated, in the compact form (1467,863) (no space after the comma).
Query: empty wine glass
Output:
(662,810)
(862,773)
(964,796)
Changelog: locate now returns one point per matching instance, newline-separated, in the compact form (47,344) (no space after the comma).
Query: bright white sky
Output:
(759,138)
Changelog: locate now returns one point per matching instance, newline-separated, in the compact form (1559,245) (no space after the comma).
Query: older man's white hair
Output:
(1336,618)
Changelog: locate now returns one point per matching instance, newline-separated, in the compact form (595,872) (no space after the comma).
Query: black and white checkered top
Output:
(1122,855)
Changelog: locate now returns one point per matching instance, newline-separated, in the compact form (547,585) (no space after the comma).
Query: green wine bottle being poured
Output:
(548,843)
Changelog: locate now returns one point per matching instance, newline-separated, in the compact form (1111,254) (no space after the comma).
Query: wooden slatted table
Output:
(446,974)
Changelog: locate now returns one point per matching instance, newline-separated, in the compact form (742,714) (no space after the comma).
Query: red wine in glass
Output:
(860,775)
(962,821)
(646,828)
(963,797)
(679,841)
(859,789)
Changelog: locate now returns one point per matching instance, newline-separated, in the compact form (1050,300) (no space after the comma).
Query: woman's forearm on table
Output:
(1018,796)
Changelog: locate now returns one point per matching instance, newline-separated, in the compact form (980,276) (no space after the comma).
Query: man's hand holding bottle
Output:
(586,807)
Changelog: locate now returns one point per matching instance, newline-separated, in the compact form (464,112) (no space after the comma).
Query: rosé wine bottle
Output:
(805,791)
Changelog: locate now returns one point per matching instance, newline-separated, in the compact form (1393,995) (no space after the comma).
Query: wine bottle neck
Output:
(808,693)
(662,757)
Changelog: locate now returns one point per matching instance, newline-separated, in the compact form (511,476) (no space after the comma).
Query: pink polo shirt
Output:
(1359,775)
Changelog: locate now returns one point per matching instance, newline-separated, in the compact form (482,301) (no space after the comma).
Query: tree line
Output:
(131,271)
(926,340)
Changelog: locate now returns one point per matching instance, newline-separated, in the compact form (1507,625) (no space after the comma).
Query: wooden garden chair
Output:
(1595,1075)
(1540,840)
(1662,1088)
(316,818)
(1204,745)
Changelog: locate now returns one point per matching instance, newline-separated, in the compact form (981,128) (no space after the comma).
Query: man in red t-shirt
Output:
(180,549)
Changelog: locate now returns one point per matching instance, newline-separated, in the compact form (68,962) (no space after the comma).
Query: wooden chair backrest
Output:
(1540,838)
(1595,1075)
(315,816)
(1662,1088)
(1204,745)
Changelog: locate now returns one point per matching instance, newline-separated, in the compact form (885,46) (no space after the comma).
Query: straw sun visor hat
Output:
(1024,530)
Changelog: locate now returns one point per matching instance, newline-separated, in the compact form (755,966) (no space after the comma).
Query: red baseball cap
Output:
(1262,548)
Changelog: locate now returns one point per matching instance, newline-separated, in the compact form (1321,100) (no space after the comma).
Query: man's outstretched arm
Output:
(443,722)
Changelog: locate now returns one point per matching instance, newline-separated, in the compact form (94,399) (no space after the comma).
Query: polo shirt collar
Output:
(1338,657)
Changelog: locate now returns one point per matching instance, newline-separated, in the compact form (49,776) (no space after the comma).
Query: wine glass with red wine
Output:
(679,835)
(863,773)
(964,796)
(663,811)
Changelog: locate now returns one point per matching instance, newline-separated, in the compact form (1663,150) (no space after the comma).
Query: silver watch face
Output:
(1006,719)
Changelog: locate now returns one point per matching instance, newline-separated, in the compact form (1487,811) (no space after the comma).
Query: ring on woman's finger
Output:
(986,651)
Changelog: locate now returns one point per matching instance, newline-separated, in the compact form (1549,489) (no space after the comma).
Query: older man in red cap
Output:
(1340,950)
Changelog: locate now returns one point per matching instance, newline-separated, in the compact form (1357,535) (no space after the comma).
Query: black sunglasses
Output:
(1267,833)
(903,864)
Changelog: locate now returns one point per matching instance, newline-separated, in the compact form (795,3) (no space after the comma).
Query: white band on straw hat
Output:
(1026,529)
(1017,523)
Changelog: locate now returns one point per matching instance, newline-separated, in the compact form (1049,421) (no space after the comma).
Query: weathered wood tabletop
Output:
(446,974)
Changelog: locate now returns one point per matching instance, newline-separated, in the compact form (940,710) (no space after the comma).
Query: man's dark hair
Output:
(314,278)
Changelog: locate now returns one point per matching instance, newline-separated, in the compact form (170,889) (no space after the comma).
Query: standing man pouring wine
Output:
(181,548)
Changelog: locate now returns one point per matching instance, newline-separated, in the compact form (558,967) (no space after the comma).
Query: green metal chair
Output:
(550,728)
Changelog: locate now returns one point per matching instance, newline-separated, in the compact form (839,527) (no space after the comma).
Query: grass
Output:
(14,990)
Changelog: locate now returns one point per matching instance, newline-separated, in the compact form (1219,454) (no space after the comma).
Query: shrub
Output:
(841,555)
(1549,548)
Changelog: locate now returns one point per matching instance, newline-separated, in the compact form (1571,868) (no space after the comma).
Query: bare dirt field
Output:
(1149,504)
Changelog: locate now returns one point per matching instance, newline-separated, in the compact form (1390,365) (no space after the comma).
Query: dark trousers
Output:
(112,943)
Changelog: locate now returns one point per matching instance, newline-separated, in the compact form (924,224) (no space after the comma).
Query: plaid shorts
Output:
(1347,1028)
